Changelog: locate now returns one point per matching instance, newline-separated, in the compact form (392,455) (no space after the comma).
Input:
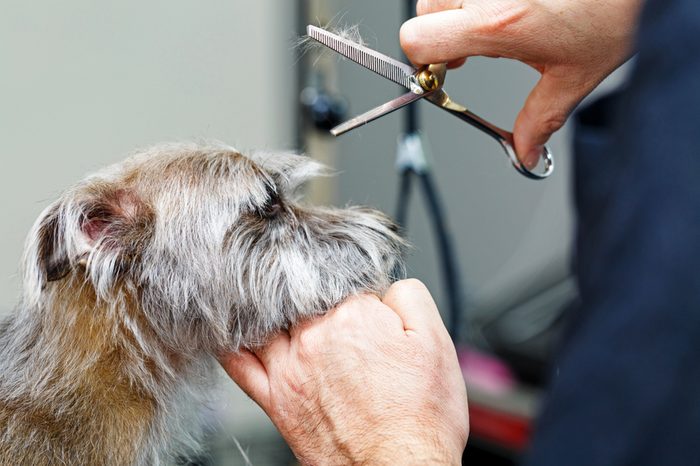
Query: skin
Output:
(371,382)
(377,381)
(573,44)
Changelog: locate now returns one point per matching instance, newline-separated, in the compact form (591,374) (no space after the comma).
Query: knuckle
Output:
(552,122)
(409,36)
(410,284)
(345,315)
(352,305)
(499,17)
(357,314)
(431,6)
(310,341)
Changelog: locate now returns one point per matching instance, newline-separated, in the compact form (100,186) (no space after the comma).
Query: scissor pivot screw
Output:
(428,80)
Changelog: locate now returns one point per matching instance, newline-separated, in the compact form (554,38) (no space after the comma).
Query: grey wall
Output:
(84,82)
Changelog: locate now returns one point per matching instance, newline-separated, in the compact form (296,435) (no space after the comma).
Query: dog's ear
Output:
(50,254)
(55,261)
(112,218)
(94,225)
(113,228)
(45,256)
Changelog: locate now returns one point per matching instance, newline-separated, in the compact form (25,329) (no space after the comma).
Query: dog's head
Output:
(214,247)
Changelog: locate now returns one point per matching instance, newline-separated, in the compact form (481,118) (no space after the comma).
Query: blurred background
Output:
(83,83)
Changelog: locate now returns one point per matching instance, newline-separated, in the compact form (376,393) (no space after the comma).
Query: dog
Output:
(138,276)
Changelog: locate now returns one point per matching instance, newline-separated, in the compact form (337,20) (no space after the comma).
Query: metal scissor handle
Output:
(432,79)
(504,138)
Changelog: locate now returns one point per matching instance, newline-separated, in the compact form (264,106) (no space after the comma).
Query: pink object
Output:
(485,372)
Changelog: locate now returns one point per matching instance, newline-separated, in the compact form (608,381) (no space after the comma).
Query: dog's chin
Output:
(358,274)
(304,263)
(302,300)
(366,282)
(293,315)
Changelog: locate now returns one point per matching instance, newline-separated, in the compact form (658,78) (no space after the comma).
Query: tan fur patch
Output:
(108,415)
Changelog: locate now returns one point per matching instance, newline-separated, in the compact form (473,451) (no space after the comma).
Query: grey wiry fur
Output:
(136,276)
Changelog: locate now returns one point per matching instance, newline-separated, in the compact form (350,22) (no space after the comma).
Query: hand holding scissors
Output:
(424,82)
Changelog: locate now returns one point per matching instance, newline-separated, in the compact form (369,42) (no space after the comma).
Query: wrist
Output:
(411,458)
(385,445)
(411,451)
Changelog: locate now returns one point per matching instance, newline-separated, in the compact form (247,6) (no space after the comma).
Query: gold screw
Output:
(427,80)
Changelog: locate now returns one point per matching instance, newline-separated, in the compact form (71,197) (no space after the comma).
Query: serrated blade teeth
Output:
(385,66)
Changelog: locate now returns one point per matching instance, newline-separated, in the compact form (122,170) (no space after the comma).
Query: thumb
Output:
(450,35)
(411,300)
(545,111)
(248,372)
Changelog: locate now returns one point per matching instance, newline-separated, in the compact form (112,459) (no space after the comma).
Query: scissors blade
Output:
(385,66)
(376,112)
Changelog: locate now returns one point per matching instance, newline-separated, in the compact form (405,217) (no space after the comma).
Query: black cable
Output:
(405,178)
(302,12)
(445,245)
(448,257)
(411,125)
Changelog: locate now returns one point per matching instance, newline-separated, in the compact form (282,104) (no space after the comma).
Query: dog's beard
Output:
(273,273)
(303,268)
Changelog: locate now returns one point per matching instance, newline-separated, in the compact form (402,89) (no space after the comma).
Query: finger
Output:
(354,302)
(454,34)
(367,309)
(545,111)
(456,63)
(360,311)
(411,300)
(431,6)
(248,372)
(274,352)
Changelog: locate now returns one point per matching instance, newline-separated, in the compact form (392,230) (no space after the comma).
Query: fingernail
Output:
(532,158)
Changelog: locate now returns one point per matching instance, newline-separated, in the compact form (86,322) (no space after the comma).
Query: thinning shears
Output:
(425,82)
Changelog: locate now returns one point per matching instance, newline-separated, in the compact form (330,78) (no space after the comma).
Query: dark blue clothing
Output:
(626,387)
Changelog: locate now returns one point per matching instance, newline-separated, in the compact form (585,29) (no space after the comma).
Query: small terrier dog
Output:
(137,276)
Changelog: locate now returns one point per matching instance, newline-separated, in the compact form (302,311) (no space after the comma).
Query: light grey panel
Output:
(85,82)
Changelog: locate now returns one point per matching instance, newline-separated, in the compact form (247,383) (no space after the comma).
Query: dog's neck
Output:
(74,337)
(71,364)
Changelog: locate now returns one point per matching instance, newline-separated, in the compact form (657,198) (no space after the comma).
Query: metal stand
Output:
(411,162)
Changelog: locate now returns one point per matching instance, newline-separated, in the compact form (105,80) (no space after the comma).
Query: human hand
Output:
(371,382)
(573,44)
